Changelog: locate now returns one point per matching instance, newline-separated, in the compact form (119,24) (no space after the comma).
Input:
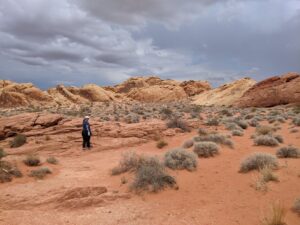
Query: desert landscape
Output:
(163,152)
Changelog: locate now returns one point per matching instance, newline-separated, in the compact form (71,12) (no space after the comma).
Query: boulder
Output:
(273,91)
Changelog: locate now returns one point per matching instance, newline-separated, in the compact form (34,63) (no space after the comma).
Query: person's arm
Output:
(88,129)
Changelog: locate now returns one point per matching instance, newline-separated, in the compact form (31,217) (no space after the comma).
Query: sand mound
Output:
(273,91)
(226,94)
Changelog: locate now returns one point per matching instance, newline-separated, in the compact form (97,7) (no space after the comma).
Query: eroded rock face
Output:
(23,94)
(192,87)
(273,91)
(226,94)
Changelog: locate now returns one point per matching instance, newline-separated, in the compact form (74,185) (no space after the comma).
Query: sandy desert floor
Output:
(215,194)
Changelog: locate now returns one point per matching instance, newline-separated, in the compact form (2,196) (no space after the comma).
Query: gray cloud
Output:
(84,41)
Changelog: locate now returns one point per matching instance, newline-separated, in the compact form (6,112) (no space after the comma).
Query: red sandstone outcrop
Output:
(273,91)
(192,87)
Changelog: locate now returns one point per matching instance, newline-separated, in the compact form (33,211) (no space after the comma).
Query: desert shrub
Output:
(180,159)
(265,140)
(8,171)
(237,133)
(52,160)
(128,163)
(288,152)
(188,144)
(32,160)
(258,161)
(294,130)
(206,149)
(267,174)
(217,138)
(132,118)
(242,123)
(231,126)
(167,111)
(40,173)
(2,153)
(202,131)
(279,138)
(276,216)
(212,122)
(161,144)
(178,123)
(47,138)
(151,175)
(296,206)
(253,123)
(264,130)
(18,140)
(296,121)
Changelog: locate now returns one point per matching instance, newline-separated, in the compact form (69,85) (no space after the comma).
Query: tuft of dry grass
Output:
(206,149)
(288,152)
(32,160)
(18,141)
(128,163)
(277,215)
(40,173)
(52,160)
(180,159)
(257,161)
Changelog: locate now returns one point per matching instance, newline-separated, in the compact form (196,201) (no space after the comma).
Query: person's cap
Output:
(86,117)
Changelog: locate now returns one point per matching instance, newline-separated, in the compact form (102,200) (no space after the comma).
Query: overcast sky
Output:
(75,42)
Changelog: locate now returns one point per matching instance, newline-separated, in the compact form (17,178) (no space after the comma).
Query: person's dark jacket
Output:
(86,129)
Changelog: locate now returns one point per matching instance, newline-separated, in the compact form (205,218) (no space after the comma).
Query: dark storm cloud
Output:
(84,41)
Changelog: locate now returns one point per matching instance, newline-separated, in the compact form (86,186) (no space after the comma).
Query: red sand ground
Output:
(215,194)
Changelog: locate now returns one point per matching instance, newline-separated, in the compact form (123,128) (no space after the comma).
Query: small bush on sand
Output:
(128,163)
(258,161)
(19,140)
(267,174)
(296,121)
(265,140)
(288,152)
(296,206)
(32,160)
(161,143)
(202,131)
(178,123)
(52,160)
(217,138)
(2,153)
(276,216)
(40,173)
(8,171)
(151,176)
(237,133)
(279,138)
(188,144)
(212,122)
(242,124)
(180,159)
(206,149)
(253,123)
(264,130)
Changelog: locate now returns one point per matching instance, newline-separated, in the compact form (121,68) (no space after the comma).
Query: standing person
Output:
(86,133)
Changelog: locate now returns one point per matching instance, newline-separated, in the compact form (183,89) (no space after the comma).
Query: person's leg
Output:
(84,141)
(88,139)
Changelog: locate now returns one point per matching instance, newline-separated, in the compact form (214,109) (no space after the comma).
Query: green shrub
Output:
(258,161)
(206,149)
(288,152)
(151,175)
(18,141)
(265,140)
(237,133)
(32,160)
(188,144)
(161,143)
(180,159)
(267,174)
(40,173)
(52,160)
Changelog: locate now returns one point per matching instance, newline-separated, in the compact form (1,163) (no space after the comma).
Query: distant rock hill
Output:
(245,92)
(226,94)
